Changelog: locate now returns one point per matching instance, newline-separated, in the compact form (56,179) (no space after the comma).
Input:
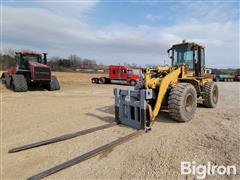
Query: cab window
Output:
(130,71)
(124,71)
(32,58)
(183,55)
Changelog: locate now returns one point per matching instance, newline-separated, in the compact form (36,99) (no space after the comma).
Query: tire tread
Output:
(176,96)
(19,83)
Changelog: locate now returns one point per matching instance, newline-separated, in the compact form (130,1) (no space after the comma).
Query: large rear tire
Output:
(54,84)
(19,83)
(182,102)
(94,80)
(102,80)
(210,94)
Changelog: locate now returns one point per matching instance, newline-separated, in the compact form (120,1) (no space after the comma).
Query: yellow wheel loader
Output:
(178,87)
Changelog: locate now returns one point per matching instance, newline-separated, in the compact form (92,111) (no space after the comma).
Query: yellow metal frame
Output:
(163,85)
(175,74)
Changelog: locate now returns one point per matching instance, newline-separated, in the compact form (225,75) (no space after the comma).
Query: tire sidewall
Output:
(213,87)
(189,91)
(93,80)
(102,81)
(177,102)
(133,83)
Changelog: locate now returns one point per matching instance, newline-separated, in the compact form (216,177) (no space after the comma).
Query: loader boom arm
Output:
(163,84)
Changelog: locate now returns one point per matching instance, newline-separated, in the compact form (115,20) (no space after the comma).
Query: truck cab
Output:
(120,75)
(123,75)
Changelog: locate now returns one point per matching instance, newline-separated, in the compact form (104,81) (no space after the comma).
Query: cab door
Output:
(199,61)
(123,73)
(113,72)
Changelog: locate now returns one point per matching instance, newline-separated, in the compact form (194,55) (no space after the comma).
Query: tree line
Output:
(72,63)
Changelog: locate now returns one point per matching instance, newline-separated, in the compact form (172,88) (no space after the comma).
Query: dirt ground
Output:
(213,135)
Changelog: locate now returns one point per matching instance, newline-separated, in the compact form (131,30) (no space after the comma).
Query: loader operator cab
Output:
(23,59)
(191,54)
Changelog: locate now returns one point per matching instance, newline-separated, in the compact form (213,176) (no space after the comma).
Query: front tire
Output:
(182,102)
(210,94)
(132,83)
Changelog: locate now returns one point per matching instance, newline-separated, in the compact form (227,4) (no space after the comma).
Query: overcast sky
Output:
(117,32)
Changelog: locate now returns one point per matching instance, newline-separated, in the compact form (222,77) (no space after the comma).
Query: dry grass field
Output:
(213,134)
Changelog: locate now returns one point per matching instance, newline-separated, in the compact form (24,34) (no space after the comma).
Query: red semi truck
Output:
(119,75)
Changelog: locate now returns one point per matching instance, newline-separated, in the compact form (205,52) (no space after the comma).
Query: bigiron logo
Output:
(201,171)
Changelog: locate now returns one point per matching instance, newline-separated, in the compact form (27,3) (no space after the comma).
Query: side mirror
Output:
(169,51)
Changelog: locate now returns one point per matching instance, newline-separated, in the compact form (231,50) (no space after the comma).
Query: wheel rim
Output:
(215,95)
(189,103)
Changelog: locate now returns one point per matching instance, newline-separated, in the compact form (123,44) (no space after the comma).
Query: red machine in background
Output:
(119,75)
(31,70)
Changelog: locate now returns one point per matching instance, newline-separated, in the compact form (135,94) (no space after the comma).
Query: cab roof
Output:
(125,67)
(185,42)
(28,53)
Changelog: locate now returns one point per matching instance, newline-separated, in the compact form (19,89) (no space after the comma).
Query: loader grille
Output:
(42,73)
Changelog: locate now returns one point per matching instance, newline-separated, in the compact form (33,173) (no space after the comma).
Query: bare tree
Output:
(89,64)
(10,52)
(75,61)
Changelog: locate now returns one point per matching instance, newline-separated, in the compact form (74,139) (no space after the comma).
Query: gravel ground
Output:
(213,134)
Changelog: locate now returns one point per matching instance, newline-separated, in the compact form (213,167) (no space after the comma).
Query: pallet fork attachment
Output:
(131,106)
(61,138)
(80,158)
(85,156)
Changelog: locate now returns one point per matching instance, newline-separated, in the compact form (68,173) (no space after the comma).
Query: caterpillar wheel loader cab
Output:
(178,87)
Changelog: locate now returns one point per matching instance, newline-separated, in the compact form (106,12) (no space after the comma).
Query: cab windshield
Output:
(33,58)
(130,71)
(183,54)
